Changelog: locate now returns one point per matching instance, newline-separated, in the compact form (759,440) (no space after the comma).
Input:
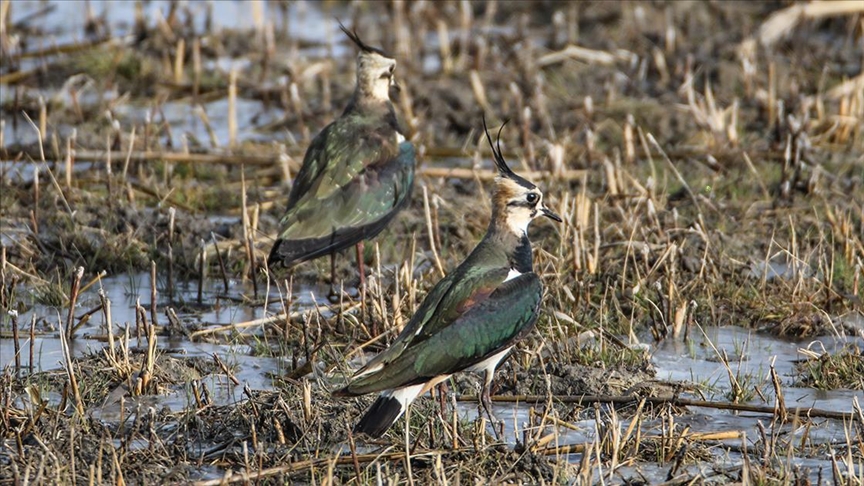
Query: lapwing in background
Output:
(471,318)
(356,175)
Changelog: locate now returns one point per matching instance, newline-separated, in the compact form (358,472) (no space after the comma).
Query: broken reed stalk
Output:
(150,360)
(13,314)
(42,159)
(277,319)
(61,49)
(32,343)
(224,368)
(106,313)
(73,298)
(201,267)
(247,232)
(179,61)
(35,212)
(96,278)
(128,154)
(70,369)
(431,232)
(196,68)
(211,134)
(153,319)
(231,477)
(7,154)
(232,109)
(108,172)
(408,445)
(221,262)
(682,402)
(171,217)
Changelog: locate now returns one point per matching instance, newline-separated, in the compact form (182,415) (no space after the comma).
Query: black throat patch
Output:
(521,259)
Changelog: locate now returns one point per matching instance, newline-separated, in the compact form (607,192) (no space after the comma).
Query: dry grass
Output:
(705,180)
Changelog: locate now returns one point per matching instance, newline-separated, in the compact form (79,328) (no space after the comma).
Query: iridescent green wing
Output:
(465,284)
(363,179)
(484,327)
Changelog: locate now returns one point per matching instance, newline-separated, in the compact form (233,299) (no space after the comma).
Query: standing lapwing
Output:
(357,173)
(471,318)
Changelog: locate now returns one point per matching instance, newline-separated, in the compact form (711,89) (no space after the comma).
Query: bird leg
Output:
(333,292)
(442,397)
(360,265)
(486,402)
(361,287)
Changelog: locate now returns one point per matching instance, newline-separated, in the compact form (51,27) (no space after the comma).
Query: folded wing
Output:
(480,326)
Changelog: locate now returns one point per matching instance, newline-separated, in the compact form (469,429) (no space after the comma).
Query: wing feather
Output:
(483,329)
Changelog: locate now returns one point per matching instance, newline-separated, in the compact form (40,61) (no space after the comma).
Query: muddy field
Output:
(702,321)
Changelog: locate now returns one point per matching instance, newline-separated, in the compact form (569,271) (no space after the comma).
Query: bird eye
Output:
(531,197)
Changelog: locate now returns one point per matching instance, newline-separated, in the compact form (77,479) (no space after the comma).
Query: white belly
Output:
(489,364)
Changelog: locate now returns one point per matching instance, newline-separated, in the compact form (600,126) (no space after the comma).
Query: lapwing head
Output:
(374,69)
(515,200)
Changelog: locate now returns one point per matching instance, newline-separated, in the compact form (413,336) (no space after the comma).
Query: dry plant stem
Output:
(70,371)
(225,369)
(683,402)
(271,160)
(299,466)
(221,262)
(13,314)
(353,447)
(278,319)
(201,268)
(232,108)
(42,158)
(59,49)
(96,279)
(35,212)
(106,310)
(32,342)
(153,312)
(408,445)
(780,410)
(128,155)
(431,233)
(171,214)
(674,171)
(73,298)
(247,232)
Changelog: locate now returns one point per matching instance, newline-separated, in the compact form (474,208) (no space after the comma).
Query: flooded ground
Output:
(702,320)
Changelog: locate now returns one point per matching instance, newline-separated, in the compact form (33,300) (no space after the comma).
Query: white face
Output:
(375,74)
(522,205)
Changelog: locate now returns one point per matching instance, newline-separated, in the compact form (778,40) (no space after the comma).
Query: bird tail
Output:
(380,416)
(389,406)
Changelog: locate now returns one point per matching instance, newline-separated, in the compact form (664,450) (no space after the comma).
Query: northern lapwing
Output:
(471,318)
(356,175)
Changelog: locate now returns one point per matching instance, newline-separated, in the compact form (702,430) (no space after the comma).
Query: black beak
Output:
(549,214)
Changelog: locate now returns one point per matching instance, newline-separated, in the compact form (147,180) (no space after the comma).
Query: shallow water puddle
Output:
(60,24)
(698,363)
(750,355)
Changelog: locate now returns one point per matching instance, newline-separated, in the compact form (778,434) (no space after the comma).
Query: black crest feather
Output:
(352,34)
(500,163)
(503,169)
